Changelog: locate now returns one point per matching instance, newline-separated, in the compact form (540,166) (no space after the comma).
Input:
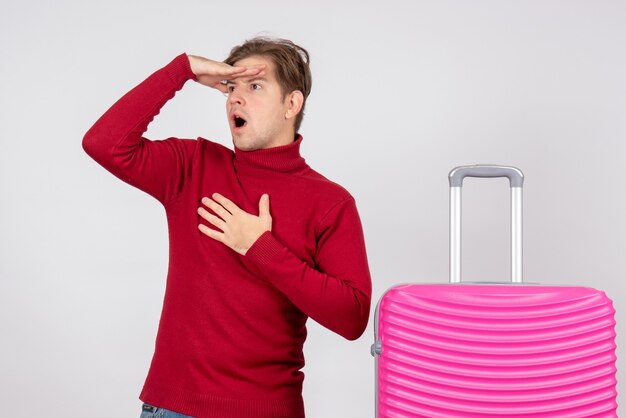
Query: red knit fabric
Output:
(230,339)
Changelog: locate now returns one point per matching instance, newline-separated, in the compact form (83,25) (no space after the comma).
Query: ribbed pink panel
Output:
(471,351)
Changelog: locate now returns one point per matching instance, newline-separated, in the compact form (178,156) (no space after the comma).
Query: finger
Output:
(210,80)
(228,70)
(217,208)
(253,70)
(226,203)
(212,219)
(256,68)
(211,233)
(264,206)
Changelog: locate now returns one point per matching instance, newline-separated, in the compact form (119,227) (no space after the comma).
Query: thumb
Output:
(264,206)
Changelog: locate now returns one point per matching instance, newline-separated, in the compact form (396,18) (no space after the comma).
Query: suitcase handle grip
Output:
(515,176)
(516,180)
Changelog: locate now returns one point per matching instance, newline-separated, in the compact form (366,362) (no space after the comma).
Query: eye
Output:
(229,89)
(255,86)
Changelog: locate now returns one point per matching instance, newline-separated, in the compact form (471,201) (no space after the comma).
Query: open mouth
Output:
(239,121)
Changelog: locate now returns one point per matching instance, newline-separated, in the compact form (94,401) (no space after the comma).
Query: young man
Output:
(259,241)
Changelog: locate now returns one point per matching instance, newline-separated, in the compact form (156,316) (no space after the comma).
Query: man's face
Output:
(256,109)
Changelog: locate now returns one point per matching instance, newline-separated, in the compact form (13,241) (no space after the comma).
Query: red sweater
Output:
(232,328)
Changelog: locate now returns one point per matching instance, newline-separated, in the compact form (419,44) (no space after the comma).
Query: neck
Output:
(283,158)
(284,139)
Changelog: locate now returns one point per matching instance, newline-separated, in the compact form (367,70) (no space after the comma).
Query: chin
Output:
(244,146)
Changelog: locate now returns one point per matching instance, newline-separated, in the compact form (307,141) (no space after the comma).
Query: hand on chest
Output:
(237,220)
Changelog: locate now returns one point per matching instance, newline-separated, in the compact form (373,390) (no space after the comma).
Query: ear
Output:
(295,99)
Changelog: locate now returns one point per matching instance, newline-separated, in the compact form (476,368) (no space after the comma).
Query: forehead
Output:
(270,67)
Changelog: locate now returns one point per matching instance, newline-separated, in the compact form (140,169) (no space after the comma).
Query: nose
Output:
(235,97)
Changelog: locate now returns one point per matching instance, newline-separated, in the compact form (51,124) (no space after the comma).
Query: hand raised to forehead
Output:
(211,73)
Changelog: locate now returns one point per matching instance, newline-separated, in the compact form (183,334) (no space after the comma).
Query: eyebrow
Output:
(230,82)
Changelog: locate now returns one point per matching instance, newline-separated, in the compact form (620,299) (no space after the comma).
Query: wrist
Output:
(192,61)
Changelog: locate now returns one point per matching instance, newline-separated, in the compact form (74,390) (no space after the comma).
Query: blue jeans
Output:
(149,411)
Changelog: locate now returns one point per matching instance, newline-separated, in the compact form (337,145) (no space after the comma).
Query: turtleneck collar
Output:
(285,158)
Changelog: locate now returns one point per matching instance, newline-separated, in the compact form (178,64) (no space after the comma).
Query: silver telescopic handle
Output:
(516,181)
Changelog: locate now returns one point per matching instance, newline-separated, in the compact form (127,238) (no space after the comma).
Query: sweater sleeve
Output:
(337,291)
(116,140)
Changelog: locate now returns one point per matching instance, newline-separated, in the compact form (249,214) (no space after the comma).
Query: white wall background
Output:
(403,91)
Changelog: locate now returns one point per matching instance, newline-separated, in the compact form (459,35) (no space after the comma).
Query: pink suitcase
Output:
(489,349)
